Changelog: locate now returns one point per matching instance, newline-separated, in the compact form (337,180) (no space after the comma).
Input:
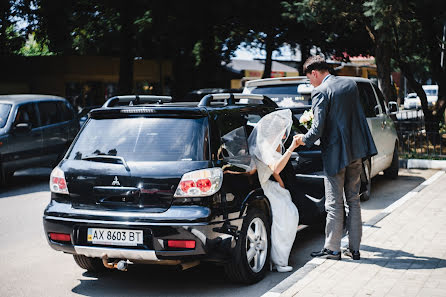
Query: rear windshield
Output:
(288,95)
(431,92)
(4,113)
(144,139)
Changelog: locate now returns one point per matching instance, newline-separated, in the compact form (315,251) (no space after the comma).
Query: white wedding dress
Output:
(263,142)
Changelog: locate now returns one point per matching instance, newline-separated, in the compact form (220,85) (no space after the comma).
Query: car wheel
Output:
(90,264)
(392,171)
(251,256)
(366,181)
(5,177)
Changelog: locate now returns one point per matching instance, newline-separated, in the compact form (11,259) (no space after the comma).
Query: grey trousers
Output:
(346,181)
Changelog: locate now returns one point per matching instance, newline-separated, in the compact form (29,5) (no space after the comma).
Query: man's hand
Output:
(299,139)
(296,143)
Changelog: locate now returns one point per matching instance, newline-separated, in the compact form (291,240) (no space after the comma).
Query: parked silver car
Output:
(295,93)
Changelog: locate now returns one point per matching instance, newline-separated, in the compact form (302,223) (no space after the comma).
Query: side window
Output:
(380,97)
(48,113)
(251,121)
(65,112)
(26,114)
(367,97)
(233,139)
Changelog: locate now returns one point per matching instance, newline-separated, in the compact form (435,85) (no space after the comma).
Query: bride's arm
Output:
(278,167)
(279,180)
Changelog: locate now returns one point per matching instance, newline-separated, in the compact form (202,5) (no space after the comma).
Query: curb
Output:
(422,164)
(299,274)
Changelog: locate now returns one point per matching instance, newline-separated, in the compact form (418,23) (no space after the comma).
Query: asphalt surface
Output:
(31,268)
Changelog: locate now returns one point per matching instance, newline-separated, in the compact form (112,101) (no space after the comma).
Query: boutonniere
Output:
(307,119)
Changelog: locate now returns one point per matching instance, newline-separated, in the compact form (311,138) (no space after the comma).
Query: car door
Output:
(53,132)
(234,158)
(372,110)
(389,134)
(24,144)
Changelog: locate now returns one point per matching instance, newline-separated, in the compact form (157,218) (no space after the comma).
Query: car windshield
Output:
(143,139)
(4,113)
(286,95)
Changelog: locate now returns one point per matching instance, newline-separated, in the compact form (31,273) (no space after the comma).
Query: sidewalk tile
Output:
(429,292)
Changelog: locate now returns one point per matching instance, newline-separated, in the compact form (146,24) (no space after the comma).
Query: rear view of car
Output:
(124,173)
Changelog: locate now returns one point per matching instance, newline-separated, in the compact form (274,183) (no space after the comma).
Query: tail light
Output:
(60,237)
(58,184)
(200,183)
(181,244)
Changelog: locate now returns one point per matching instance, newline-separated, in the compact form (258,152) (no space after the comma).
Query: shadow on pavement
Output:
(154,280)
(397,259)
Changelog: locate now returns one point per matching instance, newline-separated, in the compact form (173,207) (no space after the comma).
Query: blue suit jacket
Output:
(340,124)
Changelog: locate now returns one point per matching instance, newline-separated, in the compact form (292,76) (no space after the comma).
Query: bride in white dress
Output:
(266,145)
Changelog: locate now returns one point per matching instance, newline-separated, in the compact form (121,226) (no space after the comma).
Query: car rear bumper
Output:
(214,238)
(131,254)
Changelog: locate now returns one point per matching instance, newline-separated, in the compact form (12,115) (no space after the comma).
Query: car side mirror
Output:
(393,106)
(22,128)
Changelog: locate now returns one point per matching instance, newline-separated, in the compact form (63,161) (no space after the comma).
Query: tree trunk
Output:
(5,7)
(125,84)
(305,54)
(416,86)
(438,73)
(269,56)
(210,62)
(382,57)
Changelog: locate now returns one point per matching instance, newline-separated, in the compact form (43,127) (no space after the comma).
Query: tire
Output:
(5,177)
(392,171)
(90,264)
(240,269)
(366,181)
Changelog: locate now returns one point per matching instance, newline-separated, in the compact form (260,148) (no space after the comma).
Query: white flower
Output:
(307,119)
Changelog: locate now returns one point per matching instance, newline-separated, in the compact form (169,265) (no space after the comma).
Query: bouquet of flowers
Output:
(307,119)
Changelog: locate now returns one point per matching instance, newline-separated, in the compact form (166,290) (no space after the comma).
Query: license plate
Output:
(115,236)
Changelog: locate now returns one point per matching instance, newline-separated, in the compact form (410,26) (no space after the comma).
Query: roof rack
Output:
(137,99)
(230,99)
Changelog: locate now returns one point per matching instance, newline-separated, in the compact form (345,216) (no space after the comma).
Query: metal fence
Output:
(415,140)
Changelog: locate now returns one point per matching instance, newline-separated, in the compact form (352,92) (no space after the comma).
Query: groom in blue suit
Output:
(340,124)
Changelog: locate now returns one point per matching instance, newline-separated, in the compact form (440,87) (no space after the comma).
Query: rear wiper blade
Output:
(106,157)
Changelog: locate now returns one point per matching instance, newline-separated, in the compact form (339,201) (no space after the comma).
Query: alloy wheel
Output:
(256,245)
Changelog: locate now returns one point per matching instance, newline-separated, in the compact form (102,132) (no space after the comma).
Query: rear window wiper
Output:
(100,158)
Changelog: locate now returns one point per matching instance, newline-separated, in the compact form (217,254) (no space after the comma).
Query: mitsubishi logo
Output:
(116,182)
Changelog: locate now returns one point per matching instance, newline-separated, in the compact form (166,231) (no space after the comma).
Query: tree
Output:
(10,38)
(416,41)
(34,48)
(345,26)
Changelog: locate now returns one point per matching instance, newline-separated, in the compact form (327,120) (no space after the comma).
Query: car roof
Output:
(289,80)
(187,108)
(430,87)
(25,98)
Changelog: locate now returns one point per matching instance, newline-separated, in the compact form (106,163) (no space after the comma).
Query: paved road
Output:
(30,268)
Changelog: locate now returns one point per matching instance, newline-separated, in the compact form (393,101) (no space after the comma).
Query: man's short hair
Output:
(315,63)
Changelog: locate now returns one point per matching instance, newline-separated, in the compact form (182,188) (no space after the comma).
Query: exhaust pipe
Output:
(120,265)
(187,265)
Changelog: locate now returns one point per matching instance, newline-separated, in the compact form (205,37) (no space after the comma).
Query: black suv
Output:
(35,131)
(150,181)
